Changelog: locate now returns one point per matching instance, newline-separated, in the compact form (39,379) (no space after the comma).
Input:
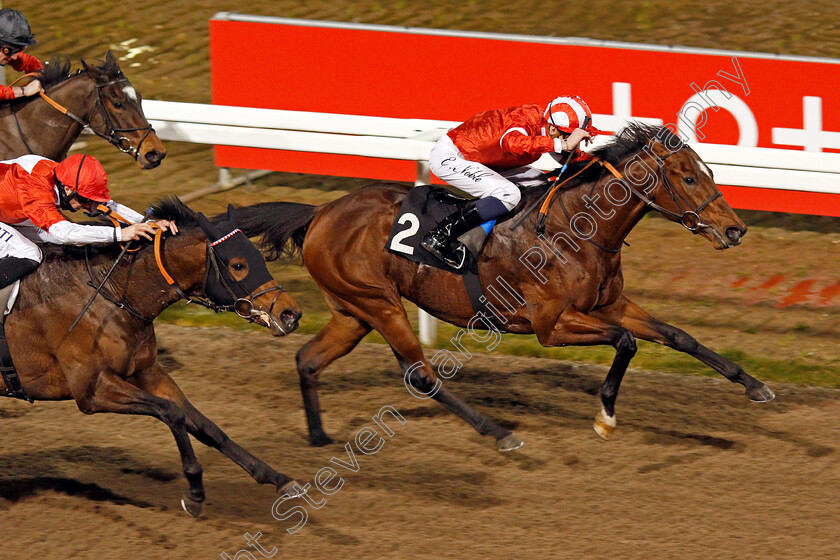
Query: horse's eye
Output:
(238,266)
(118,105)
(689,180)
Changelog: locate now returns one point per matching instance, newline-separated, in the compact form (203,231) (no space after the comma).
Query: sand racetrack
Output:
(694,471)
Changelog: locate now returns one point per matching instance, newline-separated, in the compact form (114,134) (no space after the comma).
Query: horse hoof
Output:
(191,506)
(321,440)
(604,425)
(762,393)
(509,443)
(291,490)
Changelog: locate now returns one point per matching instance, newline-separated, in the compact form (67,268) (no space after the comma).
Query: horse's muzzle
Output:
(735,234)
(290,320)
(280,325)
(152,159)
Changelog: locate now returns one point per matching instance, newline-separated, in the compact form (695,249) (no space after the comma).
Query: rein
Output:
(689,219)
(122,143)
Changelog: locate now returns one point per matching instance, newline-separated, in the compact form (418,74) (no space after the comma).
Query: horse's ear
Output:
(212,232)
(230,215)
(110,59)
(92,71)
(661,150)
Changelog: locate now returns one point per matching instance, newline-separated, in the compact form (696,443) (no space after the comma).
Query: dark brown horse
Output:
(565,286)
(99,98)
(107,363)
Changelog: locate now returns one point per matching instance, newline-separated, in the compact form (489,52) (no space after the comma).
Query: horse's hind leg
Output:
(158,382)
(339,337)
(643,325)
(392,323)
(111,393)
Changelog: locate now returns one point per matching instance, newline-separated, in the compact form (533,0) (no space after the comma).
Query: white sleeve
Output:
(125,212)
(69,233)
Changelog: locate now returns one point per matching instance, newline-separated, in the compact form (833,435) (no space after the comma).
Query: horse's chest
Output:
(139,352)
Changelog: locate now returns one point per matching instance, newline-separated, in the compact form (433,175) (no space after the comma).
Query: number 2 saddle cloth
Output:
(422,210)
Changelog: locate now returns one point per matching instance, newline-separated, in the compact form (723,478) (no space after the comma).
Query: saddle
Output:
(421,210)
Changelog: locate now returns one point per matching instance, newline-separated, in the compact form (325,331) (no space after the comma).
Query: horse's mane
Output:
(628,141)
(171,208)
(57,70)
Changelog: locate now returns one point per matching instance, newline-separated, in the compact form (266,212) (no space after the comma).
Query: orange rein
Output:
(58,106)
(547,202)
(167,277)
(116,219)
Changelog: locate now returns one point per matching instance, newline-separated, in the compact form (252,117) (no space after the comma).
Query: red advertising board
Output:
(768,101)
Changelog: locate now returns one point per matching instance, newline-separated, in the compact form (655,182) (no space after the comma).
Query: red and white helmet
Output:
(85,176)
(568,113)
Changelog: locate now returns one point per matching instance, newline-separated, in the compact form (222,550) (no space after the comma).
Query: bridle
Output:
(688,218)
(122,143)
(242,305)
(113,135)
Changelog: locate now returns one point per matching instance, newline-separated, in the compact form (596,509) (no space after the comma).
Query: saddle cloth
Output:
(422,210)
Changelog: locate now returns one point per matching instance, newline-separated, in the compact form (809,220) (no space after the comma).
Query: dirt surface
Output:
(694,471)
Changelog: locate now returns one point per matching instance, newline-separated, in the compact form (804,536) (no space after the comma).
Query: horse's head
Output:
(668,176)
(118,115)
(237,276)
(222,265)
(690,195)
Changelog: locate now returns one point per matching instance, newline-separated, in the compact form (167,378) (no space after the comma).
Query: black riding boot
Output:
(11,269)
(14,268)
(443,240)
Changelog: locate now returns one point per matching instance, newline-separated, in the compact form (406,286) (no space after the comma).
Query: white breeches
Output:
(17,240)
(471,177)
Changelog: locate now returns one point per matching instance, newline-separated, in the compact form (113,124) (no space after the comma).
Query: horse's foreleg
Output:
(111,393)
(573,328)
(643,325)
(158,382)
(339,337)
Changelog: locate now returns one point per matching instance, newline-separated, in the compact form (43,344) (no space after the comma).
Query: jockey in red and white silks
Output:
(15,36)
(482,156)
(33,189)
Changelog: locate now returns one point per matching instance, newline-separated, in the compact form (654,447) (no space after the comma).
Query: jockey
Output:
(15,36)
(34,188)
(483,154)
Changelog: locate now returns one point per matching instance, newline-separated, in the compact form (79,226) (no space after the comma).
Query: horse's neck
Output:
(184,259)
(75,94)
(615,217)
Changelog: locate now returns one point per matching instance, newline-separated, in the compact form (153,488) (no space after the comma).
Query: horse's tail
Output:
(282,226)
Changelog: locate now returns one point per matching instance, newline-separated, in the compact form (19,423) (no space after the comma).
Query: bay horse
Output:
(569,280)
(107,364)
(99,98)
